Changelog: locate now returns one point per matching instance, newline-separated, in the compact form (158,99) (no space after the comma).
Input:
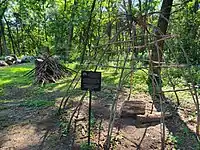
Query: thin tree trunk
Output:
(45,26)
(10,35)
(3,7)
(132,34)
(87,32)
(1,49)
(23,43)
(71,30)
(117,47)
(4,39)
(196,5)
(98,29)
(18,45)
(109,30)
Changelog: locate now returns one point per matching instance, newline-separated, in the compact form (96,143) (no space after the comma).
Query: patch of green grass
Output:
(85,146)
(174,140)
(179,140)
(60,85)
(14,83)
(93,119)
(3,107)
(6,101)
(1,91)
(14,75)
(37,103)
(64,128)
(140,81)
(184,97)
(74,65)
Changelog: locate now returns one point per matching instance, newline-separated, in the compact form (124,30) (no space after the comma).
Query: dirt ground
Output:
(27,128)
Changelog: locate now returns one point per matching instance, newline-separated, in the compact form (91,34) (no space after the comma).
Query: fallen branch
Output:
(151,117)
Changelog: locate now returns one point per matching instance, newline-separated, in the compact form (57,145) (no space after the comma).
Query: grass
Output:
(15,87)
(178,140)
(13,77)
(3,107)
(37,103)
(85,146)
(14,74)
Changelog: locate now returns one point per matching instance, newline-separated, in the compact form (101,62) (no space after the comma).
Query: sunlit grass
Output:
(60,86)
(17,68)
(13,76)
(26,93)
(4,81)
(20,69)
(6,101)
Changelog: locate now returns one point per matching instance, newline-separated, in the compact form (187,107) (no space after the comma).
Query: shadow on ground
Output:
(185,138)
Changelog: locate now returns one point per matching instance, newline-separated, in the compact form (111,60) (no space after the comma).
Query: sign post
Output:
(90,81)
(89,112)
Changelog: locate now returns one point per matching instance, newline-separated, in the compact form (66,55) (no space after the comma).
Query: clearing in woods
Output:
(29,120)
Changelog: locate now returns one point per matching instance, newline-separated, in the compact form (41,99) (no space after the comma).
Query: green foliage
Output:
(179,140)
(85,146)
(174,75)
(111,79)
(192,75)
(64,128)
(140,78)
(175,140)
(185,23)
(93,120)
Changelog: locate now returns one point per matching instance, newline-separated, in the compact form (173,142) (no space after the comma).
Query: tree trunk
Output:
(10,35)
(157,51)
(4,39)
(98,29)
(87,32)
(1,50)
(71,30)
(18,42)
(157,56)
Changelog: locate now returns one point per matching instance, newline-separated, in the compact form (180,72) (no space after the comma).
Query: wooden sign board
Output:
(91,81)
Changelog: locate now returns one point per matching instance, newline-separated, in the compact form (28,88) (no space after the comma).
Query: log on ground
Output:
(155,117)
(132,108)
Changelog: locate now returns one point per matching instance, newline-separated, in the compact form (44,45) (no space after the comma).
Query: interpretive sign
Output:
(91,80)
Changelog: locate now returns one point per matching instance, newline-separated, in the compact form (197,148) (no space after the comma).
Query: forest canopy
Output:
(74,28)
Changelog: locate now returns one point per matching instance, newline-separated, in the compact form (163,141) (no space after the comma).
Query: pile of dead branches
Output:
(48,69)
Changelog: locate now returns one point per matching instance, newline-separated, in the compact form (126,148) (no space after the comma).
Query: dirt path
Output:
(128,135)
(33,128)
(24,127)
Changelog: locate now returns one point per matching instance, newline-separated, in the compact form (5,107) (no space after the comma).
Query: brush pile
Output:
(48,69)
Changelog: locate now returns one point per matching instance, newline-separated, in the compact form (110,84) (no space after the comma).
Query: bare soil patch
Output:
(27,128)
